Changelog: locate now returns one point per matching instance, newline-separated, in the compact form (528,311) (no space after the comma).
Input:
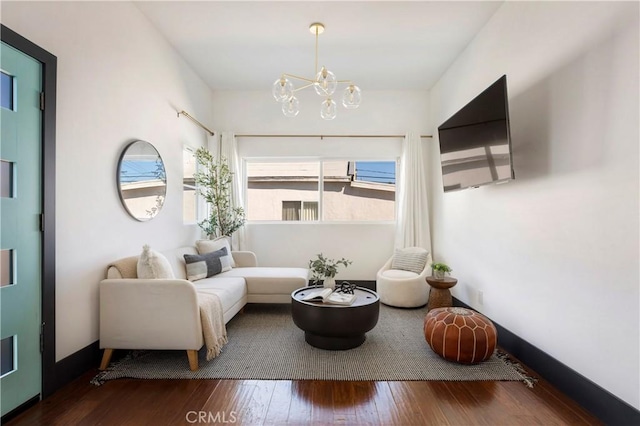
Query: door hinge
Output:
(42,338)
(42,101)
(41,222)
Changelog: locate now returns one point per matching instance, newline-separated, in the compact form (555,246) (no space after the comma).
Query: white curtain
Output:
(413,206)
(227,147)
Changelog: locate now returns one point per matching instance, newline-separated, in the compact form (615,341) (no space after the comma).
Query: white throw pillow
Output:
(153,265)
(411,259)
(207,246)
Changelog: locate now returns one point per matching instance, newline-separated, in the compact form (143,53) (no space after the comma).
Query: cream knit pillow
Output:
(207,246)
(153,265)
(411,259)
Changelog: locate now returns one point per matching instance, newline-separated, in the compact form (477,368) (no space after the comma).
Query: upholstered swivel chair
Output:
(401,282)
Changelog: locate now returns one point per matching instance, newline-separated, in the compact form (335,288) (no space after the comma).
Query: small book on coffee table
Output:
(328,296)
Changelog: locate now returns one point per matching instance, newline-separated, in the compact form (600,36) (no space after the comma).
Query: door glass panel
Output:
(6,179)
(6,268)
(6,91)
(7,355)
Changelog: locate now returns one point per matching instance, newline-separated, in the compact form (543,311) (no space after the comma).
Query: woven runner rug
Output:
(265,344)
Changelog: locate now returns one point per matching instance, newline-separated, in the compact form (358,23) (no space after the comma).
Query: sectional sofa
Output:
(163,313)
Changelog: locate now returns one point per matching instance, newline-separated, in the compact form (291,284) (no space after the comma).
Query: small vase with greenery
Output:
(325,269)
(440,269)
(213,182)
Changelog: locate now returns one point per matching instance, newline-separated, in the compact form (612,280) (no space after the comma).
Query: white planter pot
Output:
(329,283)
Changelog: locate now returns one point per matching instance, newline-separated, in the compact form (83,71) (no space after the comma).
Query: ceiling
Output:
(391,45)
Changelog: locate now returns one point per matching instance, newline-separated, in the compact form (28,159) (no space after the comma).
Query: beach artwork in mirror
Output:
(142,180)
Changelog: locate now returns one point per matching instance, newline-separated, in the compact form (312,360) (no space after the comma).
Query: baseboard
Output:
(76,364)
(600,402)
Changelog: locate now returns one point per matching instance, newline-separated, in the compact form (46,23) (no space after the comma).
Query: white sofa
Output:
(164,314)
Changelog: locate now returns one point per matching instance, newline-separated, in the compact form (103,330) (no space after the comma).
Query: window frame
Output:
(200,206)
(321,161)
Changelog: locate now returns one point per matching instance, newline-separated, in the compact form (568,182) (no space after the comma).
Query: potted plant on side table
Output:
(325,269)
(440,270)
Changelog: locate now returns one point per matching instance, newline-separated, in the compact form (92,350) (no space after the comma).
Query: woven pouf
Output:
(460,335)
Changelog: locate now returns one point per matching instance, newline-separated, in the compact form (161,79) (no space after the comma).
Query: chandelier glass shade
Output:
(324,83)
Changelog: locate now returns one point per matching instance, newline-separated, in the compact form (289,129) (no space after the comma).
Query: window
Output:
(321,190)
(300,210)
(8,267)
(189,197)
(7,85)
(8,355)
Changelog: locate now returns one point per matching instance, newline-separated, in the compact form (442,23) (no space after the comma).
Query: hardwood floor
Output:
(263,402)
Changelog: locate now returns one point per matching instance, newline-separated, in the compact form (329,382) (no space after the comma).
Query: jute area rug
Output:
(265,344)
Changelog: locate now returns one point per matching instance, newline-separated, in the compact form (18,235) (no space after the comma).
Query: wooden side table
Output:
(440,295)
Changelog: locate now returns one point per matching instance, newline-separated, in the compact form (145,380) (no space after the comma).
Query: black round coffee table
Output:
(335,327)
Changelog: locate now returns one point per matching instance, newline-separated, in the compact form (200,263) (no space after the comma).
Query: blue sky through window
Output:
(376,171)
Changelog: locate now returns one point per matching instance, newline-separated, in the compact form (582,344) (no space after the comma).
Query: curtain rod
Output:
(183,112)
(325,136)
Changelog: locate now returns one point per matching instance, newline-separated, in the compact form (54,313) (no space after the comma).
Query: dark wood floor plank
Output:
(278,411)
(108,412)
(419,403)
(301,397)
(389,411)
(229,401)
(169,406)
(321,403)
(343,403)
(256,408)
(364,403)
(475,402)
(196,394)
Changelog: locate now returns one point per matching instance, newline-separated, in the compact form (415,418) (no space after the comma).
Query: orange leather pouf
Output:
(460,334)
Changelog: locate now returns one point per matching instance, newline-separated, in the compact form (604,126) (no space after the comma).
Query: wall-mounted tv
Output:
(475,143)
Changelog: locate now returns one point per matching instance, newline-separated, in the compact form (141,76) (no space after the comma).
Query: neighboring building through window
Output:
(327,190)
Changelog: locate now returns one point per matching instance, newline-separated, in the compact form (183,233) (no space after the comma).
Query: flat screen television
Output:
(475,143)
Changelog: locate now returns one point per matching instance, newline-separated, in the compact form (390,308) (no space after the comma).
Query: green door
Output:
(20,237)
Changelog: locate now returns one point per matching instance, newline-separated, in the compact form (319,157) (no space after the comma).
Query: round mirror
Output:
(142,180)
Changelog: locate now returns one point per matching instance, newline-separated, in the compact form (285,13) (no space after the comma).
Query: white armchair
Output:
(402,288)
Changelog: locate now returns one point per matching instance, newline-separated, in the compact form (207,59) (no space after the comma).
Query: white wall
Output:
(381,113)
(118,80)
(554,252)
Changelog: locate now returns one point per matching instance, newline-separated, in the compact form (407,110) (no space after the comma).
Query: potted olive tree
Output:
(213,182)
(325,269)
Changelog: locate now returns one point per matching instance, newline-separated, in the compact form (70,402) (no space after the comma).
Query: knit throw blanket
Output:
(213,329)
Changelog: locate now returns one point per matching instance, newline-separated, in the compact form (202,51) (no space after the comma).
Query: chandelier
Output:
(324,83)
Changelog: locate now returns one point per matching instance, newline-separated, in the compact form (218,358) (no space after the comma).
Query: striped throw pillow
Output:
(411,259)
(206,265)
